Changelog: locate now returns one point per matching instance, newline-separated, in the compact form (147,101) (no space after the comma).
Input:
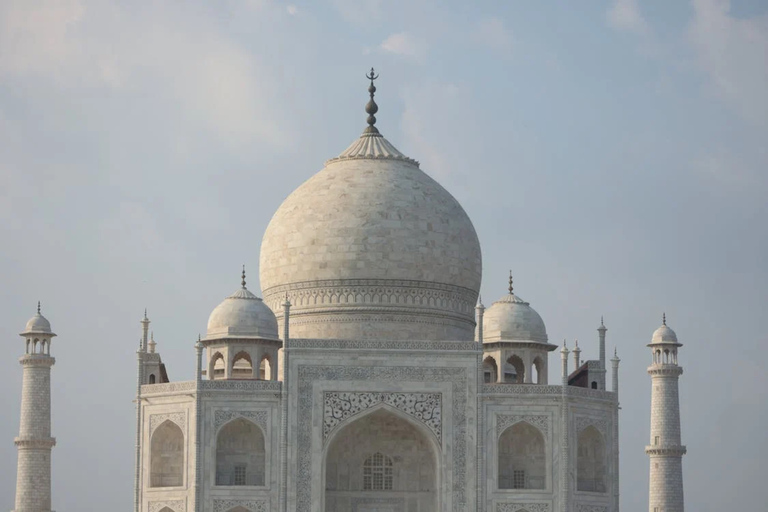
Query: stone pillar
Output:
(284,412)
(137,467)
(564,440)
(564,360)
(601,348)
(34,444)
(665,449)
(198,491)
(615,388)
(479,312)
(576,356)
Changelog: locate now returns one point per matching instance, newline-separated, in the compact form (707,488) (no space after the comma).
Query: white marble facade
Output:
(383,397)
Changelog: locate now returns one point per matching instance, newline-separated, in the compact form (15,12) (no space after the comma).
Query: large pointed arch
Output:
(522,460)
(381,434)
(240,454)
(166,456)
(591,461)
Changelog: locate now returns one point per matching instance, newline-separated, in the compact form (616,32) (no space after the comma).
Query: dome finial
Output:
(243,277)
(664,318)
(510,283)
(371,108)
(38,307)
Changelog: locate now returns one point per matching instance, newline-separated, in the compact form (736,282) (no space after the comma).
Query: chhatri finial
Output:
(371,108)
(38,307)
(664,318)
(510,283)
(243,277)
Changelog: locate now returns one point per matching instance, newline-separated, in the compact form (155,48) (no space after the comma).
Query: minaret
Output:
(33,474)
(576,356)
(479,312)
(665,451)
(601,350)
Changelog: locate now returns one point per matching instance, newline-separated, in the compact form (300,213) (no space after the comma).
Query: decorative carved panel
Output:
(258,417)
(529,507)
(252,505)
(179,418)
(175,505)
(539,421)
(424,407)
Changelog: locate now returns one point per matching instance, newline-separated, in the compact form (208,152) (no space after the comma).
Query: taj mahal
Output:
(370,377)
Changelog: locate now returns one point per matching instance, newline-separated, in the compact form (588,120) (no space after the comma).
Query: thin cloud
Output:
(625,16)
(733,54)
(225,89)
(405,45)
(494,34)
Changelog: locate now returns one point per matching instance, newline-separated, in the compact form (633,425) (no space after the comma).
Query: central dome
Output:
(371,247)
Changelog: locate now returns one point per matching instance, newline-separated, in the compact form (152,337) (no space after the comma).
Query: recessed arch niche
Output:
(381,455)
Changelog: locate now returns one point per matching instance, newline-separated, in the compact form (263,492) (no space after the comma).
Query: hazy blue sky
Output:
(613,156)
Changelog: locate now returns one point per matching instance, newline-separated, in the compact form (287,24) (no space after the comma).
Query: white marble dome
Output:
(242,315)
(371,247)
(664,334)
(512,319)
(38,324)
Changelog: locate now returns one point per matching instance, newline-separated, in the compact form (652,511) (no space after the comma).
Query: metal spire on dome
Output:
(371,107)
(510,283)
(243,277)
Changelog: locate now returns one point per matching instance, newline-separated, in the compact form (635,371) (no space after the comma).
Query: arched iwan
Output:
(522,458)
(240,454)
(166,457)
(590,461)
(385,451)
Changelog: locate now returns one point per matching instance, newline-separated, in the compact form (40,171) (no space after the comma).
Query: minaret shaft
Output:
(33,474)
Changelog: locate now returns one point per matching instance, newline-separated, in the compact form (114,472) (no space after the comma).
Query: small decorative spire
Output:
(664,318)
(371,107)
(243,277)
(510,283)
(38,307)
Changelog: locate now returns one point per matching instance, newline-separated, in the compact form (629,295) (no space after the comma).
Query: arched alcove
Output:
(490,370)
(240,454)
(265,368)
(217,367)
(522,458)
(167,456)
(383,454)
(242,366)
(517,363)
(590,461)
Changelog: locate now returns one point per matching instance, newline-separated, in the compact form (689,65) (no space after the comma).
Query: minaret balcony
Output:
(669,450)
(665,370)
